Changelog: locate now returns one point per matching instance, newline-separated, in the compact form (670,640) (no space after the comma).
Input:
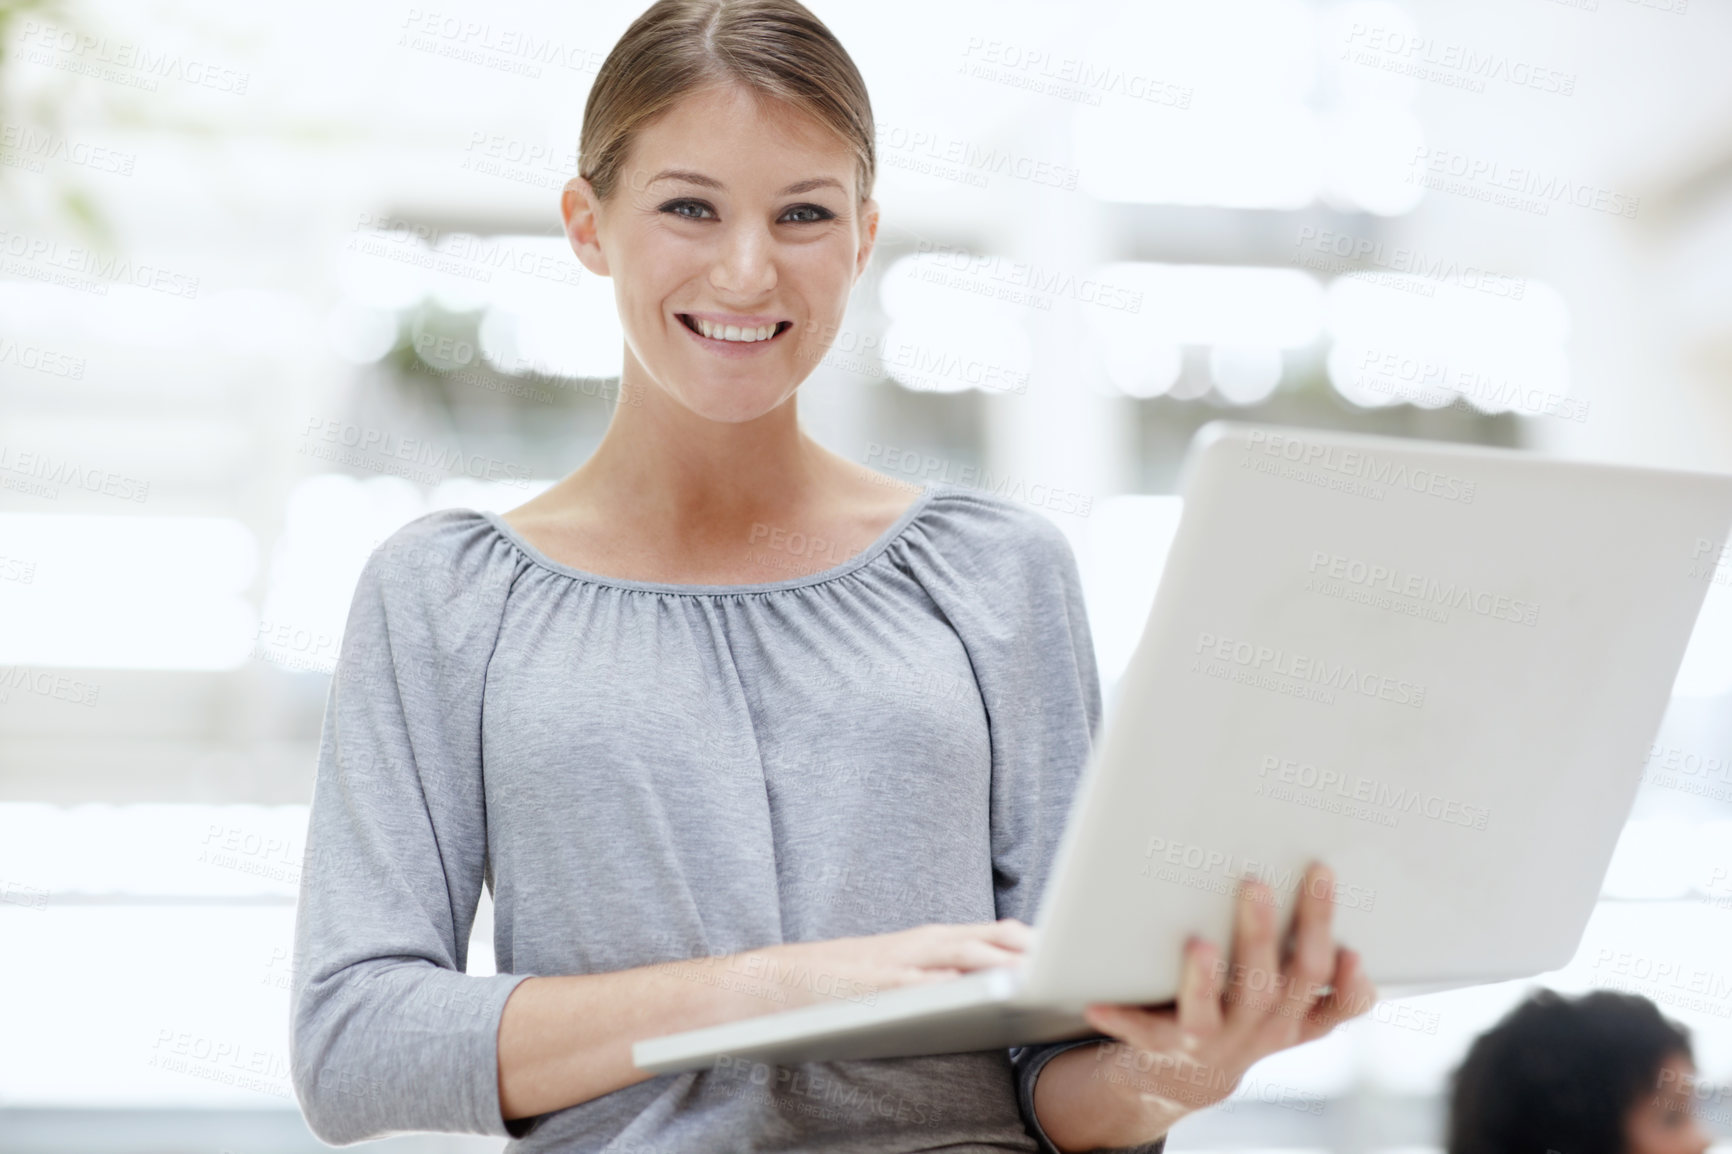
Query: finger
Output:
(919,975)
(1353,995)
(966,952)
(1342,1002)
(1009,933)
(1254,960)
(1311,957)
(1199,1009)
(1153,1030)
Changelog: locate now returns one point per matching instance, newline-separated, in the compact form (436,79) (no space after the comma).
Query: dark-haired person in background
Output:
(1604,1073)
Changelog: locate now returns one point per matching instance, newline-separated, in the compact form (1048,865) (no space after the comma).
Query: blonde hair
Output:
(776,48)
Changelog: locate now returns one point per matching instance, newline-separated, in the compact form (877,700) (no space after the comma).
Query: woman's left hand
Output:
(1178,1059)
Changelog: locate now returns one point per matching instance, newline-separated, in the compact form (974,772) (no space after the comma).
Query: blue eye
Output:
(673,207)
(699,210)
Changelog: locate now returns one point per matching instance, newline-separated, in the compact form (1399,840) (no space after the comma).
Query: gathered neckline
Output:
(864,557)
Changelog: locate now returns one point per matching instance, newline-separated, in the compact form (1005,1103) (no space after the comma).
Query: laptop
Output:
(1436,667)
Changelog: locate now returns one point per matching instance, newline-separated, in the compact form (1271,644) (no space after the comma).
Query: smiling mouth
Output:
(777,330)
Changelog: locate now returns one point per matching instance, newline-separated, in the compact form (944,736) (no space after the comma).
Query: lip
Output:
(733,348)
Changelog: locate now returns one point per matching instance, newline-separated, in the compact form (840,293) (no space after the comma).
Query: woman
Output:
(1600,1074)
(700,790)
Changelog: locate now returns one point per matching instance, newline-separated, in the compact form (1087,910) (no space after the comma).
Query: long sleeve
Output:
(1016,601)
(387,1032)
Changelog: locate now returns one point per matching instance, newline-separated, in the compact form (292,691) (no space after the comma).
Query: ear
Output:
(868,235)
(581,209)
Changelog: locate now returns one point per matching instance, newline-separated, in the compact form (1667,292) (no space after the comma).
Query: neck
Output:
(661,464)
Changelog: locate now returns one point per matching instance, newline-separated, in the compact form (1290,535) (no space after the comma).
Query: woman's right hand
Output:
(566,1039)
(858,969)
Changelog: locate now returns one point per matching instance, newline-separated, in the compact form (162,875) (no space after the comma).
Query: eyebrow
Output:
(698,178)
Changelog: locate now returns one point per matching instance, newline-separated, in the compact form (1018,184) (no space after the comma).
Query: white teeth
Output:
(735,332)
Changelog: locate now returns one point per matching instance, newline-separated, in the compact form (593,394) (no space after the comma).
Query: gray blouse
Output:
(643,772)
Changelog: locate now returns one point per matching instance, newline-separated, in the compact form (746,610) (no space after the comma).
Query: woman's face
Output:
(729,212)
(1664,1122)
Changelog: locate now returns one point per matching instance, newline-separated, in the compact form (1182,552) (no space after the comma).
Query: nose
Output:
(745,268)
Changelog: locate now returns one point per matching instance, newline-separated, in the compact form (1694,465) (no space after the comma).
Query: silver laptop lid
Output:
(1437,667)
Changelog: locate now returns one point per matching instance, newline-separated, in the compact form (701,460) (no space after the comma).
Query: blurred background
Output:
(271,286)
